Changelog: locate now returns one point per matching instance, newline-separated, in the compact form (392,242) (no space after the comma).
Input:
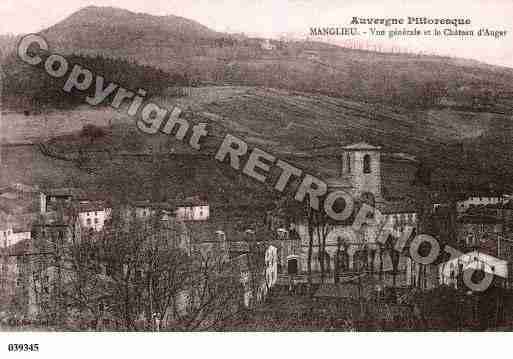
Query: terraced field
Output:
(286,123)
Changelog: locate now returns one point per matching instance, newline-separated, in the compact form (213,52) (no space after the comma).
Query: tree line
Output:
(30,86)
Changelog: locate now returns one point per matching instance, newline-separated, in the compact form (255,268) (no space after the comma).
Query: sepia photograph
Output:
(255,166)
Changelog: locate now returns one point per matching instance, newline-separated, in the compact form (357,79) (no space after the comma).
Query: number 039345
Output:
(23,347)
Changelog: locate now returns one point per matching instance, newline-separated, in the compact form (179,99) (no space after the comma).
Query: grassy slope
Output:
(288,120)
(186,47)
(285,123)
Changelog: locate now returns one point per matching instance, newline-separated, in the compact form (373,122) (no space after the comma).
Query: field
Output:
(287,123)
(273,114)
(16,127)
(453,115)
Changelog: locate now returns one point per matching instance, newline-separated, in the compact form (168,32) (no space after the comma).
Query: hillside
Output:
(453,114)
(305,129)
(122,28)
(189,50)
(32,89)
(183,46)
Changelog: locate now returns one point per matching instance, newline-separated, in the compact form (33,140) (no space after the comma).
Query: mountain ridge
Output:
(421,95)
(180,45)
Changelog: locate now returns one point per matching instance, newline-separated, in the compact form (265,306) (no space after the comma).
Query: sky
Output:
(273,18)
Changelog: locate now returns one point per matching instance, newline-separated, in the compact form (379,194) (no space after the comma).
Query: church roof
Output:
(18,248)
(338,183)
(361,146)
(399,156)
(395,207)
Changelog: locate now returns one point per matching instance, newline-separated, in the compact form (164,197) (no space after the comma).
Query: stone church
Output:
(381,179)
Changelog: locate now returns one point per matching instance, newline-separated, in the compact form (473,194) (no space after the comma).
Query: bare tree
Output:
(139,276)
(323,226)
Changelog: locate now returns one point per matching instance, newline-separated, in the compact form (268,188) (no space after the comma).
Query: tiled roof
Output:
(169,205)
(479,218)
(361,146)
(65,192)
(154,205)
(397,207)
(9,195)
(15,206)
(5,222)
(191,203)
(21,187)
(493,265)
(338,182)
(92,207)
(18,248)
(18,223)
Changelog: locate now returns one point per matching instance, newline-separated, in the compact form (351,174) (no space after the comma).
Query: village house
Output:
(478,200)
(311,55)
(484,222)
(475,229)
(190,209)
(9,235)
(451,272)
(14,227)
(93,214)
(54,199)
(267,45)
(17,200)
(9,280)
(193,209)
(484,237)
(146,210)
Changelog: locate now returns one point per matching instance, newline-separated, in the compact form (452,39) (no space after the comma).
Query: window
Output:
(221,236)
(292,266)
(348,162)
(366,164)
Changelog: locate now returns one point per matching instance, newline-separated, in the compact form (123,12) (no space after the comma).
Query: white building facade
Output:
(9,237)
(93,216)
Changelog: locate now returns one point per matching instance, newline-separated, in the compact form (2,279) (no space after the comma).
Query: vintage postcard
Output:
(255,166)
